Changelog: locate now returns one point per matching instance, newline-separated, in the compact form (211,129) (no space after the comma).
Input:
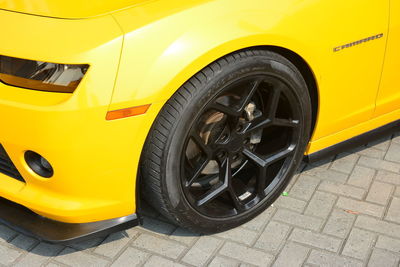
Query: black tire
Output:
(167,162)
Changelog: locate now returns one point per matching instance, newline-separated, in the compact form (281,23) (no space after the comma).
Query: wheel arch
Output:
(296,60)
(158,152)
(308,76)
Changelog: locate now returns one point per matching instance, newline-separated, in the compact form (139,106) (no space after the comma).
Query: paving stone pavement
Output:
(343,211)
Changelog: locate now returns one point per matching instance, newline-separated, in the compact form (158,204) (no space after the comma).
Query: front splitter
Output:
(29,223)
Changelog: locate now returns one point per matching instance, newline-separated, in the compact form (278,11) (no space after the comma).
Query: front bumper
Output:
(25,221)
(95,161)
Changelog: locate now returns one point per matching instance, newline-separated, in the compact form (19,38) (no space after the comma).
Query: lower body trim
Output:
(27,222)
(354,142)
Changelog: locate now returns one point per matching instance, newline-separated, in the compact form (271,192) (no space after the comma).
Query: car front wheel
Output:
(226,144)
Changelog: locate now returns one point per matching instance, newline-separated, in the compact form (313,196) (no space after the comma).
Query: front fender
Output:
(167,42)
(170,45)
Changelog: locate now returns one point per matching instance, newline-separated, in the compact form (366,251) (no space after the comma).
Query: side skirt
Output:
(353,142)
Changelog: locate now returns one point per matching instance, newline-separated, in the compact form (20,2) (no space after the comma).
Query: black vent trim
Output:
(7,166)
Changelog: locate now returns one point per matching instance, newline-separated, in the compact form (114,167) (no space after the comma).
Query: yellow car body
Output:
(140,52)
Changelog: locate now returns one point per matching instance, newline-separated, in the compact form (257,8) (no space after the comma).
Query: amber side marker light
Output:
(127,112)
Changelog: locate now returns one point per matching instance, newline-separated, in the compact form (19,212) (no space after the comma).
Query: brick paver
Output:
(342,211)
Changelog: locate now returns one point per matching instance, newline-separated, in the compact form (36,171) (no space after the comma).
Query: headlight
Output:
(43,76)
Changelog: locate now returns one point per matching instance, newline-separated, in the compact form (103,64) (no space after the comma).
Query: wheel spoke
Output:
(226,171)
(280,155)
(258,160)
(257,124)
(273,102)
(286,123)
(250,95)
(219,188)
(261,179)
(214,192)
(237,203)
(197,173)
(266,161)
(224,109)
(200,143)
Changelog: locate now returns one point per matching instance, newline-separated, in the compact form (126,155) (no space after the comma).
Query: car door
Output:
(389,93)
(350,45)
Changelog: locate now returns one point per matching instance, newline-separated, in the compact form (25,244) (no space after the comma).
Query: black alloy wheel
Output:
(241,146)
(227,143)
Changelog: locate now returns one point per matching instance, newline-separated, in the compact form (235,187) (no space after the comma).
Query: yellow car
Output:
(204,108)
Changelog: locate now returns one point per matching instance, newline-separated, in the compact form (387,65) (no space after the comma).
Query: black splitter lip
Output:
(29,223)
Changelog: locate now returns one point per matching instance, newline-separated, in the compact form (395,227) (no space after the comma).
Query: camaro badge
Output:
(339,48)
